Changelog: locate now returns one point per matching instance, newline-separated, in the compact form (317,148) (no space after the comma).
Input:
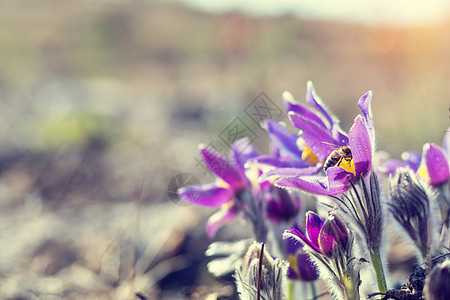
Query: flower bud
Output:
(268,275)
(332,234)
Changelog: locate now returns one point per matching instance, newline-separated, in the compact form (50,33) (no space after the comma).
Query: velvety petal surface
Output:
(294,172)
(220,218)
(360,145)
(205,194)
(317,138)
(307,270)
(391,165)
(333,231)
(242,151)
(336,182)
(221,167)
(282,206)
(300,109)
(437,164)
(285,140)
(297,235)
(313,226)
(313,99)
(276,162)
(364,104)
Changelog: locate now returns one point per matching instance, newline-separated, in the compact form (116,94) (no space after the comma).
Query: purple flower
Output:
(434,167)
(338,178)
(410,159)
(301,268)
(281,205)
(231,180)
(322,237)
(303,154)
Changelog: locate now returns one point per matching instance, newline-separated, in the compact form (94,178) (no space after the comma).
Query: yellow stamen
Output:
(221,183)
(422,171)
(293,262)
(227,205)
(307,155)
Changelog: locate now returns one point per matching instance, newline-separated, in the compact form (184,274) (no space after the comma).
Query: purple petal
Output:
(292,245)
(333,231)
(242,150)
(306,268)
(276,162)
(317,138)
(205,194)
(364,104)
(339,136)
(313,226)
(336,182)
(296,234)
(292,172)
(282,207)
(437,164)
(412,158)
(220,218)
(391,165)
(220,166)
(285,140)
(313,99)
(361,148)
(298,108)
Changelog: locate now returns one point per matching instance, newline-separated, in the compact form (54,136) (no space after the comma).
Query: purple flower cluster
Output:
(341,171)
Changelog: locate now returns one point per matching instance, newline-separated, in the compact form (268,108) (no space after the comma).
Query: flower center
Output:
(307,154)
(422,171)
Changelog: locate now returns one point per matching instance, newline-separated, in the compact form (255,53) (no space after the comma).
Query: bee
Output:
(337,156)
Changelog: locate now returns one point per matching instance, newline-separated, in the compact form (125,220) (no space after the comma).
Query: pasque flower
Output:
(261,276)
(231,181)
(432,165)
(410,206)
(237,189)
(322,236)
(300,266)
(330,245)
(361,142)
(305,153)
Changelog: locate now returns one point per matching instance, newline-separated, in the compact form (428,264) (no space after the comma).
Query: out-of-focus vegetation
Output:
(101,103)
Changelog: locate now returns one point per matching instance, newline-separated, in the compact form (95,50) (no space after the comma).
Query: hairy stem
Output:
(378,268)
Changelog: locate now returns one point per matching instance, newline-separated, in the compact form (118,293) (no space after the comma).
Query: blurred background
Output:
(103,104)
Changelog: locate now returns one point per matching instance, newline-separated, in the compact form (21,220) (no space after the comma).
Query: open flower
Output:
(322,237)
(330,246)
(432,165)
(305,153)
(338,178)
(300,266)
(231,181)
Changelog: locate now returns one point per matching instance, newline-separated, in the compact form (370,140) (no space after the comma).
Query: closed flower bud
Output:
(332,234)
(259,271)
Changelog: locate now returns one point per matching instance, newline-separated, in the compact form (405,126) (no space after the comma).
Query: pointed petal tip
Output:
(288,97)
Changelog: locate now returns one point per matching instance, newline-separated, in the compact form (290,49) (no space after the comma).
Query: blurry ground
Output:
(103,103)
